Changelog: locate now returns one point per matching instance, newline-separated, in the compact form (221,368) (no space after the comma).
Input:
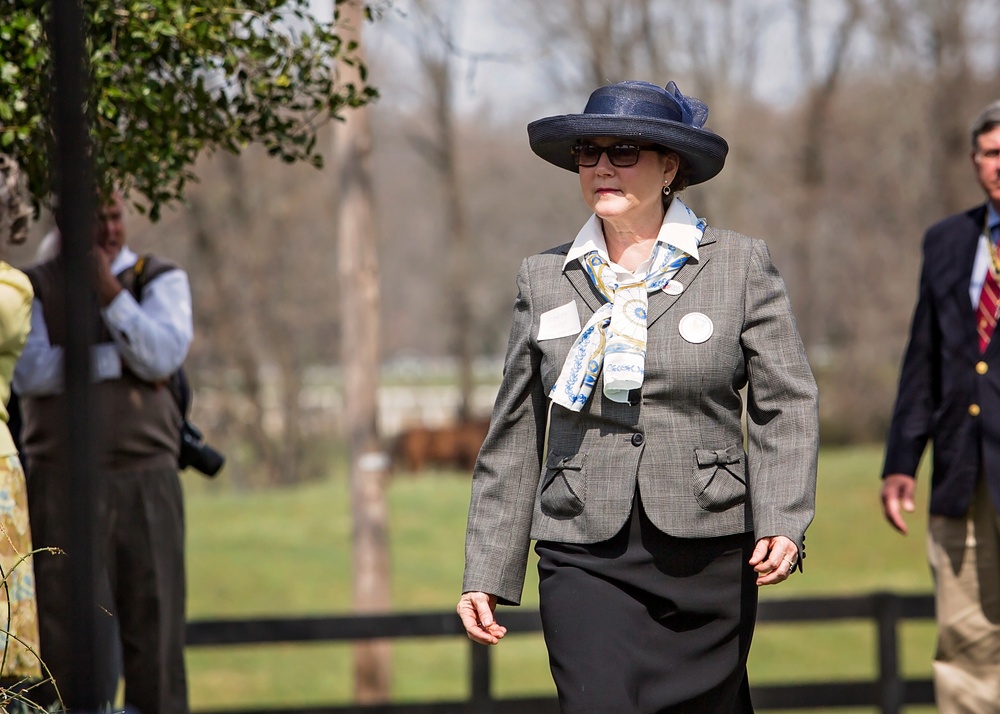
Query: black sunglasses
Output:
(620,155)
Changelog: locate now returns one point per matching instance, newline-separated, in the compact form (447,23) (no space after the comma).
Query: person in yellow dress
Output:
(19,655)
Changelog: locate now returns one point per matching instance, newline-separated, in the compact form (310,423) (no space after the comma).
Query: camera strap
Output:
(177,382)
(194,452)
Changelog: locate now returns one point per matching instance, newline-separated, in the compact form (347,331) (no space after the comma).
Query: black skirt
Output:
(648,623)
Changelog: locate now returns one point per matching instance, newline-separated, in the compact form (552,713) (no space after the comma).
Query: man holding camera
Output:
(142,338)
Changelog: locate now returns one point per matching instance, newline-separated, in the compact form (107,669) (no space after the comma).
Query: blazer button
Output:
(637,439)
(982,367)
(973,411)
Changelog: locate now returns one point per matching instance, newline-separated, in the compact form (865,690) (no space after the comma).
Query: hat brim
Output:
(703,152)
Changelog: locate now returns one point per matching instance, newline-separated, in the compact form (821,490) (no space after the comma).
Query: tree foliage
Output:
(171,78)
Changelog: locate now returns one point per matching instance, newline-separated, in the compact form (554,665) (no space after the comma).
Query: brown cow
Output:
(453,446)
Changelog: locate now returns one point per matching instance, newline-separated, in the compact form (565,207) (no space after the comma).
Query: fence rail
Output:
(889,691)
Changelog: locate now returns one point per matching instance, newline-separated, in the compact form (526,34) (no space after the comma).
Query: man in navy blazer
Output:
(949,393)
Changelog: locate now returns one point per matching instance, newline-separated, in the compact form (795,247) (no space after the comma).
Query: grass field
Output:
(288,553)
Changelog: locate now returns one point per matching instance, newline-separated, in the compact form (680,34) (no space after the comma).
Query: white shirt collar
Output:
(126,258)
(679,229)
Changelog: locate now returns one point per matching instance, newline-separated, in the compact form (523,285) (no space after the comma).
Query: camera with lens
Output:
(196,453)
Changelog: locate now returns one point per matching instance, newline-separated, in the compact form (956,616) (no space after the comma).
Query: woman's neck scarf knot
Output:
(615,336)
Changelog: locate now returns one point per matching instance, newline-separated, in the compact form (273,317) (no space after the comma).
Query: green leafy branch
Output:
(170,79)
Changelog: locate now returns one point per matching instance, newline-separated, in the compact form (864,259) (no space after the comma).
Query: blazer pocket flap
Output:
(564,487)
(710,457)
(557,462)
(719,479)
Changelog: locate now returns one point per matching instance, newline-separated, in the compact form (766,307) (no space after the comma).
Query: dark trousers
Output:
(141,584)
(648,623)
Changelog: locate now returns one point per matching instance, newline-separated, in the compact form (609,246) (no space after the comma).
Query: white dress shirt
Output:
(679,229)
(982,261)
(151,338)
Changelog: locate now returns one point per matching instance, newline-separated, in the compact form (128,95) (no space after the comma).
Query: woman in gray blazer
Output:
(617,442)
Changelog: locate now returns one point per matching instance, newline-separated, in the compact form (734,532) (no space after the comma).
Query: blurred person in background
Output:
(949,394)
(616,439)
(19,651)
(142,338)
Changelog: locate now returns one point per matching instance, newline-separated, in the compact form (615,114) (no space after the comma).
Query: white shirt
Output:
(982,262)
(151,338)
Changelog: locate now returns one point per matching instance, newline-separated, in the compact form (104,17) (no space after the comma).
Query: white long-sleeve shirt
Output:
(152,337)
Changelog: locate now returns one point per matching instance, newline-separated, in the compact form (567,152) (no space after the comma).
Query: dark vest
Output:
(139,421)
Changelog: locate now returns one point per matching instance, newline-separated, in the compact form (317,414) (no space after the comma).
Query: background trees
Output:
(171,79)
(172,82)
(847,126)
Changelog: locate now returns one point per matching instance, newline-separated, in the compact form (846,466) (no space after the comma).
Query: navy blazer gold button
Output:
(637,439)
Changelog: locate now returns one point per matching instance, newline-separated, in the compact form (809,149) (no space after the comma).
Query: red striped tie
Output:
(986,314)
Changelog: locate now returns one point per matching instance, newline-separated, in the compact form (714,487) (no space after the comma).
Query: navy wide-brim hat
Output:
(640,111)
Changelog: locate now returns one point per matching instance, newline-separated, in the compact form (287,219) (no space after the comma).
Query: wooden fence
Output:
(889,691)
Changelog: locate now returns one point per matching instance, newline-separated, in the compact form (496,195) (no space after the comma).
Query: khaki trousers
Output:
(964,555)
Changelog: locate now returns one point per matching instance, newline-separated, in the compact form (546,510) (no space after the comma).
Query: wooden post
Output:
(890,684)
(359,299)
(481,696)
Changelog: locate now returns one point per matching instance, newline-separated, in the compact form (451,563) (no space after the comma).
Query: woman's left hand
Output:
(774,559)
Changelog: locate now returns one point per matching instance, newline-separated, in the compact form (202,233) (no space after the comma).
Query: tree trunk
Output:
(358,273)
(234,335)
(438,54)
(811,250)
(458,236)
(949,50)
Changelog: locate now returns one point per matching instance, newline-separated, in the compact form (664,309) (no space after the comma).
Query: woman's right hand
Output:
(476,610)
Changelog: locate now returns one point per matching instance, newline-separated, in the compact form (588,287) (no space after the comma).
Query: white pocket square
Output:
(559,322)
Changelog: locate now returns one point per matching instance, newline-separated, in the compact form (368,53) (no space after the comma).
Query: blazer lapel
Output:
(659,301)
(955,277)
(577,276)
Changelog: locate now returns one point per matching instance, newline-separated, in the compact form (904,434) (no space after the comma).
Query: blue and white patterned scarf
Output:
(615,336)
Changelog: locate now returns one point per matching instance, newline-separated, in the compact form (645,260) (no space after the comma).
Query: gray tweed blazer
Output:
(551,474)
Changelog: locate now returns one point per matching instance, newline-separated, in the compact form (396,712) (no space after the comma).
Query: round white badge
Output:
(696,327)
(673,287)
